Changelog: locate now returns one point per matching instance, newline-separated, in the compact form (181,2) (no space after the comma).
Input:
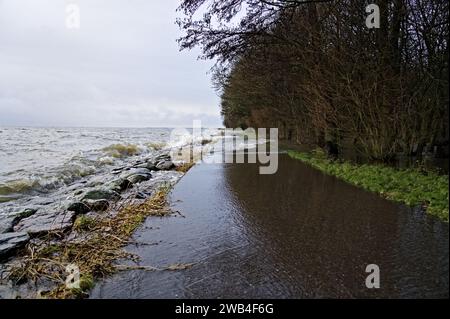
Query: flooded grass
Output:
(412,187)
(84,223)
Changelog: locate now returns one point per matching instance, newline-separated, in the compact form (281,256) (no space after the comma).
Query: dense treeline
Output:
(314,70)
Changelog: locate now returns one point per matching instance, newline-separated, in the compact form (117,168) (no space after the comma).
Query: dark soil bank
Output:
(296,234)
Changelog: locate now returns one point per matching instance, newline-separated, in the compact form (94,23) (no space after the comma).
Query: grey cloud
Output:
(121,68)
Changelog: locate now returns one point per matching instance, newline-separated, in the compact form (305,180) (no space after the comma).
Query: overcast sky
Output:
(121,68)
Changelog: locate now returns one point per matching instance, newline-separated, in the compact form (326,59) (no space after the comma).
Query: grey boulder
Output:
(45,223)
(99,205)
(120,185)
(142,171)
(165,165)
(88,205)
(10,242)
(27,212)
(79,208)
(8,222)
(118,170)
(139,178)
(101,194)
(163,157)
(149,165)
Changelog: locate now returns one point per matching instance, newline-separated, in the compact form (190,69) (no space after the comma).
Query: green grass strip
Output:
(409,186)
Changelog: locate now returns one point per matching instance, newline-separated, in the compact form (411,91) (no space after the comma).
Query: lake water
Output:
(35,161)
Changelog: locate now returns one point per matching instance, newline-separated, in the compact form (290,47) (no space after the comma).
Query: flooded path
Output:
(295,234)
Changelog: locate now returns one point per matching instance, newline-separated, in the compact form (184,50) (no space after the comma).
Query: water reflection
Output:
(326,232)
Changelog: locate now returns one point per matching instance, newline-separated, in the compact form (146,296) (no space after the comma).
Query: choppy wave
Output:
(62,177)
(106,160)
(77,167)
(18,186)
(157,146)
(4,199)
(71,172)
(184,139)
(122,150)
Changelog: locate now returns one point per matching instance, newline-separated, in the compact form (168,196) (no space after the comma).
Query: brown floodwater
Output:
(295,234)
